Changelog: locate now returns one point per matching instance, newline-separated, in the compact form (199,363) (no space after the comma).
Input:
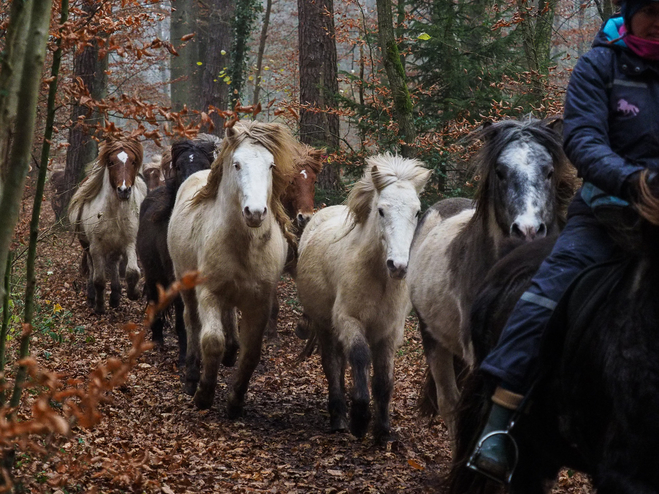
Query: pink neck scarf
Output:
(644,48)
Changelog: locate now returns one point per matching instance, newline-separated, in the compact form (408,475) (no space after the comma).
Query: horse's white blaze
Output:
(123,186)
(254,180)
(123,157)
(399,203)
(191,158)
(304,174)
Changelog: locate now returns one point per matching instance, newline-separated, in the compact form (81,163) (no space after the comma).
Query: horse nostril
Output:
(542,230)
(265,211)
(516,231)
(391,265)
(247,211)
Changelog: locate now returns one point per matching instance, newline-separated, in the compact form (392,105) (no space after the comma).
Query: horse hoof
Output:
(181,361)
(234,406)
(133,294)
(338,424)
(99,310)
(203,401)
(360,416)
(302,329)
(190,388)
(114,300)
(382,433)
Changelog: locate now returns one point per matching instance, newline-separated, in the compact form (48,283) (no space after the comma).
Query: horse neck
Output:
(368,245)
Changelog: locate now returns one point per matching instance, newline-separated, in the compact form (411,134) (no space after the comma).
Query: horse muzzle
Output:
(397,270)
(123,193)
(302,219)
(528,232)
(254,218)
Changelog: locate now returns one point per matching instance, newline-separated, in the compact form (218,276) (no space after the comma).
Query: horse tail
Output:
(471,415)
(305,331)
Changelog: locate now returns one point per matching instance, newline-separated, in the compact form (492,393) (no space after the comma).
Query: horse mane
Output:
(381,171)
(213,140)
(309,157)
(648,204)
(278,140)
(497,136)
(95,171)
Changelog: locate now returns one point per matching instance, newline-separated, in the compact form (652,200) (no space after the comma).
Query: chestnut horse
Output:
(298,199)
(104,213)
(229,224)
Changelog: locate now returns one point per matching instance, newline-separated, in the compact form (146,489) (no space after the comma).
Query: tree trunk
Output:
(21,146)
(82,148)
(243,24)
(259,58)
(397,81)
(216,37)
(185,72)
(10,77)
(318,82)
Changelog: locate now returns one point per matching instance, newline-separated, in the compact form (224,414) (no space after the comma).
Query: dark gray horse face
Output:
(524,189)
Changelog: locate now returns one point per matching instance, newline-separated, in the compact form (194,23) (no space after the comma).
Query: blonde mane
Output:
(309,157)
(95,171)
(381,171)
(278,140)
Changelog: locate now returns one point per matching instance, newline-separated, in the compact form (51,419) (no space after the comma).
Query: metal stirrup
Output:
(474,456)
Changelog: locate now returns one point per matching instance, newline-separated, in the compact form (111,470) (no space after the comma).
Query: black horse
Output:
(595,406)
(188,157)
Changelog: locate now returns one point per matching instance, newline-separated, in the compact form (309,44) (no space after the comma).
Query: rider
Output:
(611,134)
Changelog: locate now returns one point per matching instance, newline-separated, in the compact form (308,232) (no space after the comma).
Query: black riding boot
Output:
(494,454)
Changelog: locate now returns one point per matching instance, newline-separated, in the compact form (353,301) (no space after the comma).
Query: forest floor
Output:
(153,439)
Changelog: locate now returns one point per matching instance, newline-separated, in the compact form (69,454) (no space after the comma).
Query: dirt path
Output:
(153,439)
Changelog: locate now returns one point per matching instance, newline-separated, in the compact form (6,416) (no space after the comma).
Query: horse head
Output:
(524,176)
(188,157)
(388,195)
(299,196)
(123,160)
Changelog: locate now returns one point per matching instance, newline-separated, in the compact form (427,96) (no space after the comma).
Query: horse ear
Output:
(230,133)
(556,124)
(420,180)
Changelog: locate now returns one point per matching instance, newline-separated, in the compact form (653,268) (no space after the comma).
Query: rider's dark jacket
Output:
(611,123)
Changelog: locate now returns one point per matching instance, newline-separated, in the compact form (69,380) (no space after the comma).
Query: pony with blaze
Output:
(526,183)
(187,157)
(104,213)
(229,224)
(350,278)
(595,405)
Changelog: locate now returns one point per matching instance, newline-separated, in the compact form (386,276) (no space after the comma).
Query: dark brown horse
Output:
(187,157)
(104,214)
(595,405)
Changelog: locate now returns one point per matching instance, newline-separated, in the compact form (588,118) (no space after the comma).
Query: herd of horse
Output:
(240,211)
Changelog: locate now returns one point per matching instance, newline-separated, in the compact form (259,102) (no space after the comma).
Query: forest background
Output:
(355,77)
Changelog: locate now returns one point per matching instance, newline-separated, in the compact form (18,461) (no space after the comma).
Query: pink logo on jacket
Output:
(627,108)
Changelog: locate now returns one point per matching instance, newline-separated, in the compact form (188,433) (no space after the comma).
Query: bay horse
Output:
(104,214)
(525,185)
(187,157)
(595,406)
(350,279)
(229,224)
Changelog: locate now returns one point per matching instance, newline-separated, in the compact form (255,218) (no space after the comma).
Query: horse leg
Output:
(98,277)
(440,361)
(334,365)
(212,347)
(251,338)
(383,385)
(132,273)
(230,325)
(158,323)
(271,329)
(193,328)
(180,330)
(351,336)
(91,291)
(115,283)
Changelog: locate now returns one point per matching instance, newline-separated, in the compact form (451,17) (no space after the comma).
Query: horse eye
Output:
(418,213)
(272,166)
(550,174)
(381,211)
(236,166)
(500,174)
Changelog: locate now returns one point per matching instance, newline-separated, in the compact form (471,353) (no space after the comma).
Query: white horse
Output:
(525,186)
(350,279)
(104,213)
(229,224)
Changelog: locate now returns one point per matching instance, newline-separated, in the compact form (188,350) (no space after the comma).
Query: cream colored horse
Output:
(350,279)
(229,224)
(104,213)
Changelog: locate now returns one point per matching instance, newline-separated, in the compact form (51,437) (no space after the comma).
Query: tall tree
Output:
(246,14)
(319,126)
(36,24)
(215,53)
(396,75)
(185,71)
(88,68)
(259,57)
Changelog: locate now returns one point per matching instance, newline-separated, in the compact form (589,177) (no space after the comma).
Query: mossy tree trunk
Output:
(261,52)
(396,75)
